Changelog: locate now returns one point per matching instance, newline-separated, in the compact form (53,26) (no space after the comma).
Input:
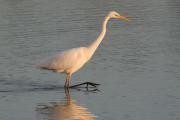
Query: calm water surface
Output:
(137,64)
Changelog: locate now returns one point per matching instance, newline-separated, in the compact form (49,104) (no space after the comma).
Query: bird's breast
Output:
(76,66)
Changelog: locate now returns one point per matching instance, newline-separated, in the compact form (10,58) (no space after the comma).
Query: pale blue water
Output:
(137,64)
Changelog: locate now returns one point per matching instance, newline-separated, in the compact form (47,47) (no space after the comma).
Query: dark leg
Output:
(66,82)
(69,78)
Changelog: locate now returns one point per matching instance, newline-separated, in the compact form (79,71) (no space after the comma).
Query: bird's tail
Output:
(45,67)
(41,66)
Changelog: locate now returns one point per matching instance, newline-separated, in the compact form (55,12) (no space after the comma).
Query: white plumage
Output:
(67,61)
(72,60)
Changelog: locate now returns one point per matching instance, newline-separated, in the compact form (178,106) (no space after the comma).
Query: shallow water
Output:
(137,64)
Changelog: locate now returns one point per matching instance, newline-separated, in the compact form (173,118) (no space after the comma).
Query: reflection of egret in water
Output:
(64,110)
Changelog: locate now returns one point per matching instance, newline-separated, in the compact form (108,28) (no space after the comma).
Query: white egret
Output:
(72,60)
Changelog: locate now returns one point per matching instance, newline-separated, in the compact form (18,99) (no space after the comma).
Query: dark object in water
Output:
(85,83)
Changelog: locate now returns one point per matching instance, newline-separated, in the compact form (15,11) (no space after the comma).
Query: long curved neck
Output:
(94,45)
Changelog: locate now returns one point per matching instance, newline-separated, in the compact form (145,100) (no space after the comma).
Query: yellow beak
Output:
(123,18)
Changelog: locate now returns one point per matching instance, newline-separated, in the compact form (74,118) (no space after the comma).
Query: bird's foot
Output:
(85,83)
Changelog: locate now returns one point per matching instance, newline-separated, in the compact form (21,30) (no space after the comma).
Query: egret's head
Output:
(114,14)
